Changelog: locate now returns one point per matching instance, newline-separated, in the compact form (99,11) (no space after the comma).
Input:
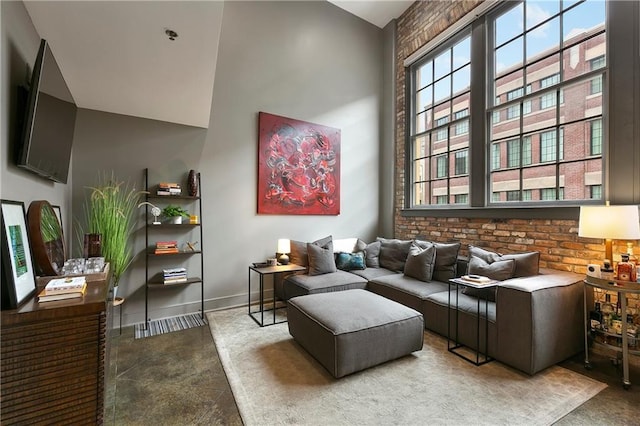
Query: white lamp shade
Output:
(610,222)
(284,246)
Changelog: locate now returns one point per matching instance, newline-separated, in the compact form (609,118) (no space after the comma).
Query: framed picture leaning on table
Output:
(18,278)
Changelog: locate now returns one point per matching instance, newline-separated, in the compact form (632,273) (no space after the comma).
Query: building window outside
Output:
(596,137)
(516,155)
(461,162)
(595,192)
(441,199)
(495,156)
(548,146)
(441,166)
(528,53)
(461,198)
(513,195)
(549,194)
(462,127)
(513,153)
(596,82)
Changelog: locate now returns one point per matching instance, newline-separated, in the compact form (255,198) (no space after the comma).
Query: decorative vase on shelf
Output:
(176,220)
(192,183)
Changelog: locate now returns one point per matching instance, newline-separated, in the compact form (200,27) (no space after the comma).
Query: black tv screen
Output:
(49,120)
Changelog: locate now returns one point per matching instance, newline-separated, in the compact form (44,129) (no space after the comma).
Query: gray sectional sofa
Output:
(536,316)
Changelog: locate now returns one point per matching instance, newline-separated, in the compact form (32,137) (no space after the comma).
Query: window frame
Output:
(623,12)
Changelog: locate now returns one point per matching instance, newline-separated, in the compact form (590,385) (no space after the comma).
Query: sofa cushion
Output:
(420,262)
(373,273)
(321,260)
(372,255)
(393,253)
(526,264)
(298,255)
(465,303)
(446,263)
(350,261)
(301,284)
(406,290)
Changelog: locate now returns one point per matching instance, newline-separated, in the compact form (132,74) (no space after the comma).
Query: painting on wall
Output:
(298,167)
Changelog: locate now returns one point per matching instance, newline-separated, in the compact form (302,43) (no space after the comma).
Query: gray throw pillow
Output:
(372,255)
(527,264)
(499,270)
(420,262)
(321,260)
(446,264)
(486,255)
(298,255)
(393,253)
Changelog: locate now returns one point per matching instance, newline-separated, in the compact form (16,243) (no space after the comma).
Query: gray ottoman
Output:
(348,331)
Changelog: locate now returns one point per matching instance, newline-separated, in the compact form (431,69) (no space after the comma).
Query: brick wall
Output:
(556,240)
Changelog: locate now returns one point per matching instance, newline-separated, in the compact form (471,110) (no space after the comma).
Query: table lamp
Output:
(610,223)
(284,248)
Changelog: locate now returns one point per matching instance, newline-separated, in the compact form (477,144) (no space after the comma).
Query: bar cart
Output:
(610,338)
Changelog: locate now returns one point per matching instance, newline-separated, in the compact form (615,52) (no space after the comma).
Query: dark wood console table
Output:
(54,358)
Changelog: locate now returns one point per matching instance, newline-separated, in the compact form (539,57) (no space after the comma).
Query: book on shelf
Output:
(169,188)
(47,296)
(66,285)
(166,250)
(166,244)
(175,280)
(174,275)
(168,185)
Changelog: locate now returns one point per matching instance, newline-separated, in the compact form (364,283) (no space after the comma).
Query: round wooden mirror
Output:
(45,235)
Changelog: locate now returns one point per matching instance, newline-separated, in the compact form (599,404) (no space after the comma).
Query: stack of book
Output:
(166,247)
(63,288)
(169,188)
(174,275)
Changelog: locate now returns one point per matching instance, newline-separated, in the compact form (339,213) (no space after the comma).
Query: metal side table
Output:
(481,357)
(259,315)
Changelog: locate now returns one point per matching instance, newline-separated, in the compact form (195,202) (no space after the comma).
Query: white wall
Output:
(305,60)
(20,42)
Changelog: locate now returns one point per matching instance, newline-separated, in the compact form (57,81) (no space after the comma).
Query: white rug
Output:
(275,381)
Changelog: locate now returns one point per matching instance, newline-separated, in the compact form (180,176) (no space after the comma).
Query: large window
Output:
(556,50)
(440,125)
(540,136)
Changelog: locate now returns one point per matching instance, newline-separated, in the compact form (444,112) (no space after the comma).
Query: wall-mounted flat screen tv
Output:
(49,120)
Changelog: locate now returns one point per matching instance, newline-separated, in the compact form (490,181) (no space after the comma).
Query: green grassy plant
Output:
(110,211)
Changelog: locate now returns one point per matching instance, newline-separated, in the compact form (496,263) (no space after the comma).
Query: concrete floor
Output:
(177,379)
(170,379)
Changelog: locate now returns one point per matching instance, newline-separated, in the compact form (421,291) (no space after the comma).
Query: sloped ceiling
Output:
(116,57)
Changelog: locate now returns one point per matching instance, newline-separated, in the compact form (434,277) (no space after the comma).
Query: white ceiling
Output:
(377,12)
(116,57)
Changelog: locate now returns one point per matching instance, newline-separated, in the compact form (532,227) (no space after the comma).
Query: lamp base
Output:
(283,259)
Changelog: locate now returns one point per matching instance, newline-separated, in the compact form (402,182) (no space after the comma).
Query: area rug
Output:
(168,325)
(275,381)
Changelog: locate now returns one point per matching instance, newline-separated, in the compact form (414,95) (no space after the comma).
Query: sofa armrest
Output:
(540,319)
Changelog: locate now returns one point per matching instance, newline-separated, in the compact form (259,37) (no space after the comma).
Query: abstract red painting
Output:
(298,167)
